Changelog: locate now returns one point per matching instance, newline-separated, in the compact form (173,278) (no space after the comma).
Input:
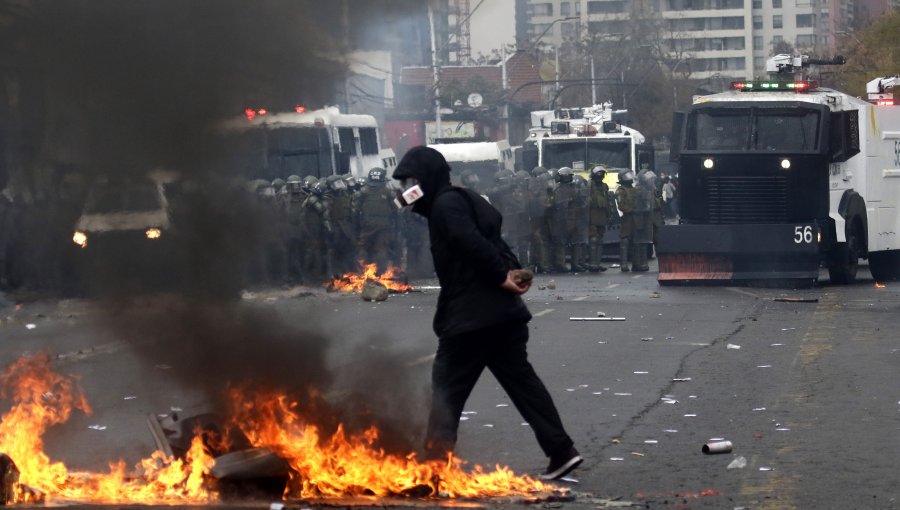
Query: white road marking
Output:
(613,285)
(544,312)
(742,291)
(580,298)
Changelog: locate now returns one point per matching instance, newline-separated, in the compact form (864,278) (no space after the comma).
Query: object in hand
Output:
(522,276)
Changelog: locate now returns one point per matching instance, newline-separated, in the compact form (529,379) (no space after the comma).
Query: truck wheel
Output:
(885,265)
(844,260)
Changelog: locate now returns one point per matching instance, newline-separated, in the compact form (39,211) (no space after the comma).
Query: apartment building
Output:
(729,38)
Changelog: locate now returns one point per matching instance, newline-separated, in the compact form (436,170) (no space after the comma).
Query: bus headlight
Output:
(708,163)
(80,238)
(786,164)
(154,233)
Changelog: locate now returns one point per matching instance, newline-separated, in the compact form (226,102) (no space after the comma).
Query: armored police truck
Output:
(780,176)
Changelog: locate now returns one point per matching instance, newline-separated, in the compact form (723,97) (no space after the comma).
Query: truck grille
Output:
(747,199)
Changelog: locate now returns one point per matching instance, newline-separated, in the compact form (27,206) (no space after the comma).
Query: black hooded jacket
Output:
(470,258)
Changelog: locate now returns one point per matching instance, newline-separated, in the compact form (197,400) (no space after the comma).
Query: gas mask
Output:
(409,192)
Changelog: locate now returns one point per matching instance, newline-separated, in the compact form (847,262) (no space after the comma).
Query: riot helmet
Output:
(376,176)
(320,186)
(294,185)
(626,178)
(469,178)
(565,175)
(503,177)
(335,183)
(537,171)
(598,173)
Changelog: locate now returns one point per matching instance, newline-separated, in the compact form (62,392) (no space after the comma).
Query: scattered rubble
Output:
(373,291)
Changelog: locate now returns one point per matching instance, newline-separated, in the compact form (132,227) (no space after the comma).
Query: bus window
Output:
(300,151)
(368,141)
(347,142)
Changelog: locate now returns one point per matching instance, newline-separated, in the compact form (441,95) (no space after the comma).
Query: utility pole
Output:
(436,72)
(593,83)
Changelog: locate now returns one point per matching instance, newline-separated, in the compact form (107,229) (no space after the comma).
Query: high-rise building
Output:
(729,38)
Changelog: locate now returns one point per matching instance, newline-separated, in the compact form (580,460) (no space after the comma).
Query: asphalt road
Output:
(808,392)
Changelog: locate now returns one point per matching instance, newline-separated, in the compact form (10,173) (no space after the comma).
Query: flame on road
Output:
(353,282)
(42,399)
(880,285)
(341,465)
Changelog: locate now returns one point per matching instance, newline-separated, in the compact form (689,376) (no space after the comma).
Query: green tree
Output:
(870,53)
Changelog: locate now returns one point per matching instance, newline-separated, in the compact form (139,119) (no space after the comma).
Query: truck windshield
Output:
(754,130)
(109,198)
(610,153)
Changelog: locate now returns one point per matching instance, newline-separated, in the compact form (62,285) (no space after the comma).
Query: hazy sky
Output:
(492,25)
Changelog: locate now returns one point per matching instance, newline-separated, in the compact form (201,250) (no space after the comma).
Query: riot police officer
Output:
(469,179)
(599,218)
(565,232)
(540,196)
(343,239)
(625,201)
(645,203)
(376,219)
(318,227)
(296,233)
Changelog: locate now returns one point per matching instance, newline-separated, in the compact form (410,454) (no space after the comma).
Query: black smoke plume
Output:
(115,89)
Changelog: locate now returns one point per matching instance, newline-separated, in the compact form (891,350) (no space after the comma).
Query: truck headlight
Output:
(153,233)
(80,238)
(786,164)
(708,163)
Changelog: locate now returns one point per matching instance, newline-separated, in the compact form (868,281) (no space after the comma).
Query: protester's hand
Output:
(515,283)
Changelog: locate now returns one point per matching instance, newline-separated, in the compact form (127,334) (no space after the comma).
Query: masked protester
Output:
(481,320)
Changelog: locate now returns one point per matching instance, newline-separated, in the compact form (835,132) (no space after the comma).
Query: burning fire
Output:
(321,467)
(353,282)
(880,285)
(42,399)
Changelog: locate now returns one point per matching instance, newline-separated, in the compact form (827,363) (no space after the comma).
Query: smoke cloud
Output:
(115,89)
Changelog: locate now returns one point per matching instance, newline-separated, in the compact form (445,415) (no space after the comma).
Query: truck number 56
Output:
(803,234)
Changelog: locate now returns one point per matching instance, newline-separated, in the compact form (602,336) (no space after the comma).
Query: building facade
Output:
(705,38)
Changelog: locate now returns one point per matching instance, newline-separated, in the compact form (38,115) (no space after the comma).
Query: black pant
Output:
(457,366)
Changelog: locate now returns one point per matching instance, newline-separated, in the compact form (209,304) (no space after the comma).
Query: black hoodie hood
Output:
(430,168)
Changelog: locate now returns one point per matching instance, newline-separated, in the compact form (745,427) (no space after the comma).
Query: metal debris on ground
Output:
(717,447)
(733,346)
(655,295)
(681,379)
(795,300)
(737,463)
(30,326)
(647,339)
(97,427)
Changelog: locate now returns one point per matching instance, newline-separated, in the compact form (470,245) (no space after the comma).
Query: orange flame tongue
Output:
(340,466)
(353,282)
(352,465)
(42,399)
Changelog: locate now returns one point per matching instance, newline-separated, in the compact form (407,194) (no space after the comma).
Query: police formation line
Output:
(553,219)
